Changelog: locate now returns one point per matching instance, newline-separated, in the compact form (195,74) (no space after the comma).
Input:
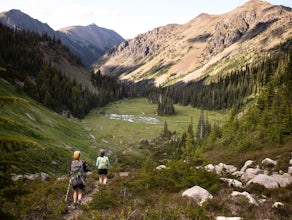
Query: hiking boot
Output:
(73,205)
(79,202)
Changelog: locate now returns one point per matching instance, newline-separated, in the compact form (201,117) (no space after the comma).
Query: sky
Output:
(126,17)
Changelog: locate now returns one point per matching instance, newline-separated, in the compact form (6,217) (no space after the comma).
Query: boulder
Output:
(249,174)
(277,205)
(238,173)
(283,180)
(16,177)
(267,181)
(246,165)
(210,168)
(290,170)
(199,194)
(246,195)
(232,182)
(124,174)
(160,167)
(269,162)
(31,176)
(224,167)
(44,176)
(290,162)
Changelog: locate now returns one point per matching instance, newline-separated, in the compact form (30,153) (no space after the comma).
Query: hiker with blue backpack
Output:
(102,163)
(77,172)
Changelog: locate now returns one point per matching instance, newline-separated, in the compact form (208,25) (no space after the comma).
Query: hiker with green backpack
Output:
(102,163)
(77,172)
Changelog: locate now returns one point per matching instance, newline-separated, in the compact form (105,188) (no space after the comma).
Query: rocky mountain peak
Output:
(174,53)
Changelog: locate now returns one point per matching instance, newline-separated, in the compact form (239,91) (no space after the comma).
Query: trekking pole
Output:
(67,191)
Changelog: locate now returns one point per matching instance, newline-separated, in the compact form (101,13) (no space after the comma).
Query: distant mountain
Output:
(208,45)
(21,21)
(87,42)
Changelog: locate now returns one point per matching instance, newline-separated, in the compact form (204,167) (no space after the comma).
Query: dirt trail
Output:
(74,213)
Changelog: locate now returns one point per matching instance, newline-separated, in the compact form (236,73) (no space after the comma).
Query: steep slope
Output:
(207,45)
(87,42)
(21,21)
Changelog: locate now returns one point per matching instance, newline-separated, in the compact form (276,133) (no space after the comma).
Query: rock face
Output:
(197,193)
(182,53)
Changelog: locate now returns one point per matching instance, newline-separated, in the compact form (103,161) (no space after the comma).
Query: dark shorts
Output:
(80,186)
(102,171)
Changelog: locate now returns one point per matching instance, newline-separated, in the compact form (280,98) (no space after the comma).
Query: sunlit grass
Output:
(118,133)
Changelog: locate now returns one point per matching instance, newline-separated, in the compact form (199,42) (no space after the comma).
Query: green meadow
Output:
(136,119)
(53,137)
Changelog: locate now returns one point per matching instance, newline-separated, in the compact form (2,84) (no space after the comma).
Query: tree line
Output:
(22,64)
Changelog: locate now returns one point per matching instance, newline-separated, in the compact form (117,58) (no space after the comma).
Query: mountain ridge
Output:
(75,37)
(183,53)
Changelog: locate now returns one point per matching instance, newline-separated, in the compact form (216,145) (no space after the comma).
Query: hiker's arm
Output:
(85,166)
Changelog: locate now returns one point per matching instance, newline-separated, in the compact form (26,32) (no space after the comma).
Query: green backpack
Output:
(78,174)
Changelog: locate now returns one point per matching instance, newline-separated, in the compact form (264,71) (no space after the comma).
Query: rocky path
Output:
(74,213)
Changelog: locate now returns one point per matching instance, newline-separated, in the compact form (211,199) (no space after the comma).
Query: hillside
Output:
(208,45)
(86,42)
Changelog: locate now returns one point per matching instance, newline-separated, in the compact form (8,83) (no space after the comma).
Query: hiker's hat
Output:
(76,154)
(102,151)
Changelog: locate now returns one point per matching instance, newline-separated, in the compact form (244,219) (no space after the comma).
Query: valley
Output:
(195,118)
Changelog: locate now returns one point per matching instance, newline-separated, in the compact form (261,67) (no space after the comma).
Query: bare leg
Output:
(79,194)
(75,194)
(104,180)
(101,178)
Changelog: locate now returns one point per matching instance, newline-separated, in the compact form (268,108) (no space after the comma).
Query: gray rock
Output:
(269,162)
(31,176)
(232,182)
(44,176)
(283,180)
(267,181)
(16,177)
(250,173)
(245,194)
(199,194)
(246,165)
(277,205)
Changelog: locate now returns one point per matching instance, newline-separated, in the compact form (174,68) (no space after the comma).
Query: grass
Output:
(117,134)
